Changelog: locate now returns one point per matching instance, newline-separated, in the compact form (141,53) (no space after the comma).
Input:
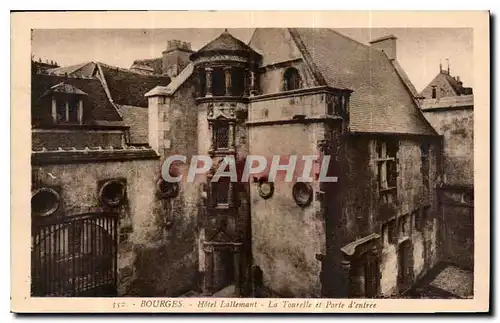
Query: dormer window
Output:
(67,110)
(291,79)
(67,103)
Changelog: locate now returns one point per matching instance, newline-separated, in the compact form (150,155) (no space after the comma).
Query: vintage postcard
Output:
(257,162)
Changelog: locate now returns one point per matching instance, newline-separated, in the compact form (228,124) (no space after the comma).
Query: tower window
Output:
(221,130)
(291,79)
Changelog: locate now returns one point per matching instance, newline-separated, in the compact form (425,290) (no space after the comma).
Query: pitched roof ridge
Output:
(104,84)
(126,70)
(145,59)
(307,56)
(349,38)
(72,68)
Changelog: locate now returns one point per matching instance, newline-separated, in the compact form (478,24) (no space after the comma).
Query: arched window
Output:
(291,79)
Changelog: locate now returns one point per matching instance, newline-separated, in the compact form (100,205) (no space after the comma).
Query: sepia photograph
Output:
(228,165)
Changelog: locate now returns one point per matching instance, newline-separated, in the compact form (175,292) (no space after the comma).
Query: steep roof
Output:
(96,101)
(225,43)
(137,119)
(380,103)
(448,85)
(127,87)
(154,63)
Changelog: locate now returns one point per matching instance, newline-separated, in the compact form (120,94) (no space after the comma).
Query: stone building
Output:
(373,233)
(289,92)
(452,115)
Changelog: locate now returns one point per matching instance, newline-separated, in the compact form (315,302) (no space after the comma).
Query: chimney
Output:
(386,44)
(176,57)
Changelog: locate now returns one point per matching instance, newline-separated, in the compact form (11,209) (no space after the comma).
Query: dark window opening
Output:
(392,173)
(434,95)
(61,111)
(392,234)
(218,82)
(202,83)
(292,79)
(73,111)
(238,82)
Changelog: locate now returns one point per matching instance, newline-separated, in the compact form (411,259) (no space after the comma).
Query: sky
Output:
(419,50)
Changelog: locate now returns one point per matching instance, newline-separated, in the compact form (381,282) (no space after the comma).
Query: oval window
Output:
(113,193)
(45,201)
(167,189)
(302,193)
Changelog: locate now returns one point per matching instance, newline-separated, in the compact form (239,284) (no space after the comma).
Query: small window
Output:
(61,111)
(386,152)
(292,80)
(424,157)
(392,233)
(73,111)
(434,95)
(220,190)
(221,135)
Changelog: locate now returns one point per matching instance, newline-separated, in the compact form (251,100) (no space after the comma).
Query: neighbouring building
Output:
(104,222)
(451,113)
(304,91)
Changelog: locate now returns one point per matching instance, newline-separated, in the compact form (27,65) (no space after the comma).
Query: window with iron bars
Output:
(221,138)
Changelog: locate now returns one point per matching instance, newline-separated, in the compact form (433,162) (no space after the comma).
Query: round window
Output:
(45,201)
(266,189)
(302,193)
(113,193)
(167,189)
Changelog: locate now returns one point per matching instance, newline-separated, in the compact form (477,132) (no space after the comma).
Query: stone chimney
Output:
(176,57)
(387,44)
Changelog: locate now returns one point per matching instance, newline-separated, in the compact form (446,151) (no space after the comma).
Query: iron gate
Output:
(74,256)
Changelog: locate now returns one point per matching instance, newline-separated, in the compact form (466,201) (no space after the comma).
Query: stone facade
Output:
(374,232)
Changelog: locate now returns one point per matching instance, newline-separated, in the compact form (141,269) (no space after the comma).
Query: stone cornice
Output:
(77,156)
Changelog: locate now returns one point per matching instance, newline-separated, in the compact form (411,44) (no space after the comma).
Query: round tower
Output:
(225,74)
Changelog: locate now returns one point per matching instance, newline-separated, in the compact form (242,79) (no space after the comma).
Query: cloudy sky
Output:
(419,50)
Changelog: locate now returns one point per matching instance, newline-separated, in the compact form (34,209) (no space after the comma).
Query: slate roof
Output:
(137,119)
(457,87)
(127,87)
(96,101)
(64,88)
(225,43)
(380,102)
(154,63)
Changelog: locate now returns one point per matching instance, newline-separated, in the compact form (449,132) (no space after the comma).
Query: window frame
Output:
(383,159)
(292,80)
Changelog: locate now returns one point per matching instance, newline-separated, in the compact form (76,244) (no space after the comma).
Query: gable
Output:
(443,87)
(275,45)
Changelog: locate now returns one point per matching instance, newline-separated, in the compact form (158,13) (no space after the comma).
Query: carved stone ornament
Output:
(302,193)
(266,188)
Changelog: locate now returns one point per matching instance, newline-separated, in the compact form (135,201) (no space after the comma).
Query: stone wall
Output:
(457,128)
(154,259)
(285,236)
(362,205)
